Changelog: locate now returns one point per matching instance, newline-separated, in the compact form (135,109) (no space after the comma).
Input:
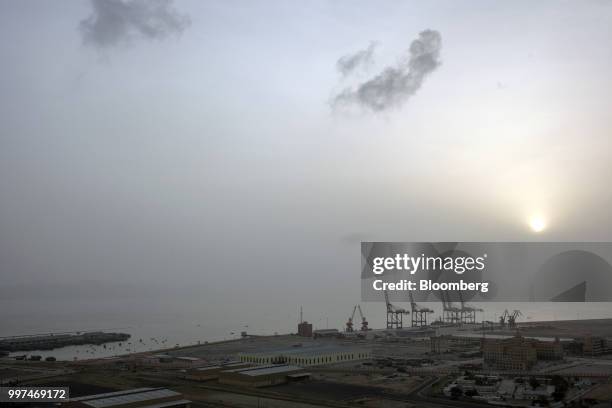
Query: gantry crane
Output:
(419,314)
(450,313)
(467,312)
(395,315)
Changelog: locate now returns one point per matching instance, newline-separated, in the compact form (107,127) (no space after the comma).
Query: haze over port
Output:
(206,162)
(212,203)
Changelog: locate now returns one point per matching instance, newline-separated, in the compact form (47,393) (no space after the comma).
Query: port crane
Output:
(502,319)
(509,318)
(450,313)
(512,318)
(364,322)
(467,312)
(349,322)
(395,315)
(419,314)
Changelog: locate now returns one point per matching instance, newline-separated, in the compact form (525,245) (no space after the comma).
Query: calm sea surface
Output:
(155,325)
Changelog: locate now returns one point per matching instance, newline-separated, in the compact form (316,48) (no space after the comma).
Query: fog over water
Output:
(166,167)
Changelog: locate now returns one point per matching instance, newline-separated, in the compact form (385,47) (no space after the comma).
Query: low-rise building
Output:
(515,353)
(262,376)
(519,353)
(307,356)
(134,398)
(212,372)
(453,344)
(526,392)
(548,350)
(305,329)
(594,346)
(325,333)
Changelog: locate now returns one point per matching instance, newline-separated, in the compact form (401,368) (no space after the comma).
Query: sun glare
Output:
(537,224)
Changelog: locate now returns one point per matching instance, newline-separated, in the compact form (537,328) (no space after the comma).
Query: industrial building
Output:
(325,333)
(166,360)
(307,356)
(305,329)
(519,353)
(509,354)
(453,344)
(548,350)
(262,376)
(212,372)
(134,398)
(593,346)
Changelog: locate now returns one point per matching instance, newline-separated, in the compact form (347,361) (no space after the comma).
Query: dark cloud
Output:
(113,22)
(351,62)
(394,85)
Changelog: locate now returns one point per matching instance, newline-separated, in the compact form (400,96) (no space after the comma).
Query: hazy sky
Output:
(201,143)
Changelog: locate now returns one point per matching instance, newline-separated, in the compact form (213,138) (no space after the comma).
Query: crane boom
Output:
(349,322)
(364,322)
(389,305)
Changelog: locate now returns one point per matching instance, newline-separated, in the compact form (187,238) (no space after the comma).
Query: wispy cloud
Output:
(114,22)
(396,84)
(362,58)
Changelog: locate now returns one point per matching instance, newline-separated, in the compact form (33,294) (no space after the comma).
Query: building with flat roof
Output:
(307,356)
(325,333)
(594,346)
(134,398)
(453,344)
(515,353)
(519,353)
(212,372)
(305,329)
(548,350)
(262,376)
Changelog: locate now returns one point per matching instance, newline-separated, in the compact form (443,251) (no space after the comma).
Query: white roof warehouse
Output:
(308,356)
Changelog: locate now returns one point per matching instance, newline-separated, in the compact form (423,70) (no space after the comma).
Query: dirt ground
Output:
(399,382)
(602,392)
(569,328)
(327,390)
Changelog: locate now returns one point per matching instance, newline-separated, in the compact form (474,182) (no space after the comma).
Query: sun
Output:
(537,224)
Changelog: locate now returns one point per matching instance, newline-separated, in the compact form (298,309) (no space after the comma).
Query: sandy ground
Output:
(400,382)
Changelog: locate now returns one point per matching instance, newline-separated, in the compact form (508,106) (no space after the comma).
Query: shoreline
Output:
(597,327)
